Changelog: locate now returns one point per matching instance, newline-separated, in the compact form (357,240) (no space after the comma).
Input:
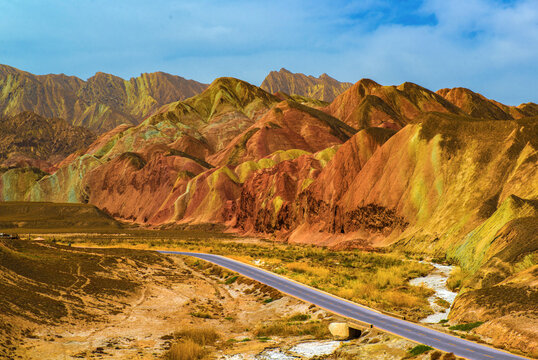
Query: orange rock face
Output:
(368,104)
(267,198)
(377,164)
(477,105)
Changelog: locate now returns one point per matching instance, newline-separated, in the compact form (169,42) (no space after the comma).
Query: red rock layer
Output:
(135,188)
(286,126)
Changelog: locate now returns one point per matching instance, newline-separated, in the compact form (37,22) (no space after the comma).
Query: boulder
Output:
(344,331)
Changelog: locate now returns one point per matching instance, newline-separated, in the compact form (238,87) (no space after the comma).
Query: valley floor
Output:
(123,303)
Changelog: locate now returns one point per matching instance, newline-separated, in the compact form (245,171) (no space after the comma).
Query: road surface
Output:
(409,330)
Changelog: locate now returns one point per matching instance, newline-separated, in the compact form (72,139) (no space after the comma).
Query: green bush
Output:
(419,349)
(466,327)
(299,317)
(231,280)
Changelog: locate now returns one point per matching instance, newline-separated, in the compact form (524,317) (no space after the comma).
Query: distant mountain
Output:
(30,139)
(101,103)
(477,105)
(323,88)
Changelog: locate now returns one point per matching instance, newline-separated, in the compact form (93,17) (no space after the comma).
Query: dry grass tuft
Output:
(304,268)
(185,350)
(202,336)
(387,277)
(191,344)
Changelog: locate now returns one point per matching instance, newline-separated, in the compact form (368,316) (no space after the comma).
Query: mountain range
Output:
(101,103)
(447,174)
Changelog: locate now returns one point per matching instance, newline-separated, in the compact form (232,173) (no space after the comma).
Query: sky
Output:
(489,46)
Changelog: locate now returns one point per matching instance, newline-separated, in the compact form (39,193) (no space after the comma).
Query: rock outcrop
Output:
(508,309)
(287,126)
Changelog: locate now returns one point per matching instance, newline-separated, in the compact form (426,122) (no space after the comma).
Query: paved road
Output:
(418,333)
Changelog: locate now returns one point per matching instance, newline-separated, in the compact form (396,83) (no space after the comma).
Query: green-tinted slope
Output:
(481,243)
(15,183)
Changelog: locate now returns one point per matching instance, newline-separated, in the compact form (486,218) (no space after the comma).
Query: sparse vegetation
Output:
(374,279)
(442,302)
(201,315)
(231,280)
(299,317)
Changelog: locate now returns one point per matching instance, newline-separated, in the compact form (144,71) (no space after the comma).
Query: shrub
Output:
(401,299)
(466,327)
(304,268)
(387,277)
(419,349)
(231,280)
(455,279)
(298,267)
(442,303)
(201,315)
(299,317)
